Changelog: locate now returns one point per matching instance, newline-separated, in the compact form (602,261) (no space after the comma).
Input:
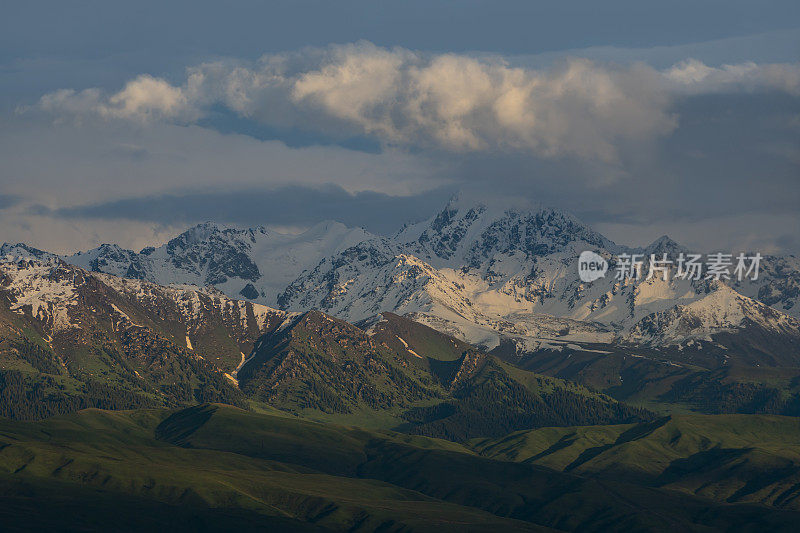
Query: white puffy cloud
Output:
(143,98)
(148,96)
(450,102)
(460,103)
(447,102)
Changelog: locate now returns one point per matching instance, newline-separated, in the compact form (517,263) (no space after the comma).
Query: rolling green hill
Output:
(729,458)
(246,470)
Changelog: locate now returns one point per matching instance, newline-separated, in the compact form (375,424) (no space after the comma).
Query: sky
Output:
(128,122)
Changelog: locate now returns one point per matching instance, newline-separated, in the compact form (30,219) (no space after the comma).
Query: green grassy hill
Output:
(729,458)
(220,467)
(247,470)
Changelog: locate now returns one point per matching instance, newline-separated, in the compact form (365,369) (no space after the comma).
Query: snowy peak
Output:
(483,271)
(111,259)
(532,234)
(214,253)
(331,282)
(469,234)
(328,228)
(722,310)
(20,251)
(445,234)
(664,245)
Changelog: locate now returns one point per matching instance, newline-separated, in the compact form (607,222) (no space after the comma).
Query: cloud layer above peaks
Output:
(453,103)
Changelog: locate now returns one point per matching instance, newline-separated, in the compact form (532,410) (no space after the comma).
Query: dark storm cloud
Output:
(287,206)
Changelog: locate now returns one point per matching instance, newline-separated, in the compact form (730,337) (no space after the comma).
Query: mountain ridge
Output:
(486,272)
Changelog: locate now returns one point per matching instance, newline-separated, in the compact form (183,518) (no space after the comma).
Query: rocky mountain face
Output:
(487,274)
(323,363)
(433,384)
(471,236)
(61,299)
(70,338)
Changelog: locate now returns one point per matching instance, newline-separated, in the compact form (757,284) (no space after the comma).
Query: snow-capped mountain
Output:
(479,271)
(484,273)
(474,235)
(720,310)
(256,263)
(18,251)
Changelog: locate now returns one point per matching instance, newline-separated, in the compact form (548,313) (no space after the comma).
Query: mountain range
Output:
(457,375)
(502,279)
(485,273)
